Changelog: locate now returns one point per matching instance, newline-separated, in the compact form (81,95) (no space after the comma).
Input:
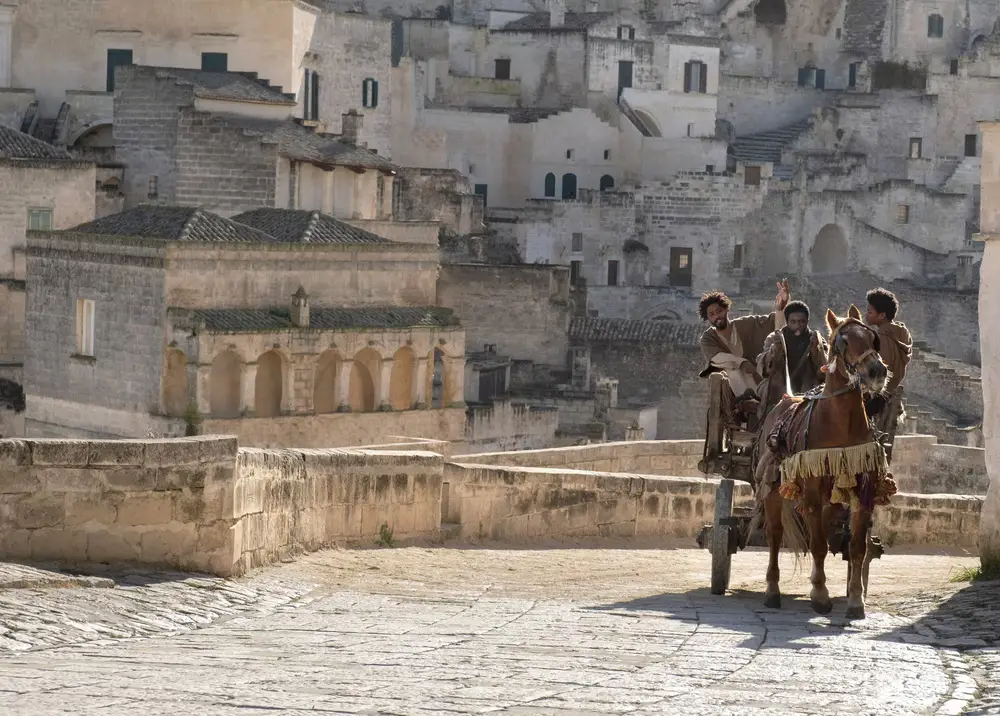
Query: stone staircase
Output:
(768,146)
(944,398)
(965,176)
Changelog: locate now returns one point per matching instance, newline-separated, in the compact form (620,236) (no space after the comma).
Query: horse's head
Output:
(855,346)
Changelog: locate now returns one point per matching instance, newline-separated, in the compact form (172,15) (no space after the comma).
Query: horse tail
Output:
(794,528)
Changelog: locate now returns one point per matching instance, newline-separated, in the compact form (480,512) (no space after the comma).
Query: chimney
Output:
(352,123)
(300,309)
(557,13)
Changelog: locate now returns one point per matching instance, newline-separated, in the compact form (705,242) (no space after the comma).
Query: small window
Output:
(310,94)
(154,187)
(751,176)
(953,67)
(695,77)
(971,142)
(214,62)
(550,185)
(607,154)
(626,32)
(117,58)
(902,213)
(837,33)
(935,26)
(812,77)
(84,327)
(569,153)
(40,219)
(612,273)
(916,147)
(738,256)
(472,168)
(690,129)
(501,69)
(574,272)
(607,182)
(481,190)
(369,93)
(577,242)
(710,169)
(852,74)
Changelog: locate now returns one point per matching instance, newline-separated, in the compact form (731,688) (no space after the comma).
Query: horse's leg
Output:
(859,550)
(818,517)
(773,505)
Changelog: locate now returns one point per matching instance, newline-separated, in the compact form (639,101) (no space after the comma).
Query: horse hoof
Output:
(772,601)
(855,613)
(822,607)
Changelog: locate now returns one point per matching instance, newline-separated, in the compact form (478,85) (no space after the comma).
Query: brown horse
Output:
(818,456)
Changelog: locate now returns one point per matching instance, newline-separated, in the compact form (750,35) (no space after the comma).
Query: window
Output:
(501,69)
(612,273)
(154,188)
(916,147)
(626,32)
(837,33)
(569,186)
(310,96)
(953,67)
(472,168)
(970,145)
(214,62)
(84,327)
(577,246)
(811,77)
(574,272)
(117,58)
(902,213)
(369,93)
(680,266)
(481,190)
(852,74)
(710,169)
(690,129)
(751,176)
(695,77)
(738,256)
(40,219)
(569,153)
(607,154)
(935,26)
(550,185)
(607,182)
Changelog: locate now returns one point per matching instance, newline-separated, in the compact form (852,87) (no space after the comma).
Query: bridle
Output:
(840,346)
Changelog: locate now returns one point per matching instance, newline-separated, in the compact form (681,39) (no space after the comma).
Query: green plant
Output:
(385,538)
(192,420)
(979,573)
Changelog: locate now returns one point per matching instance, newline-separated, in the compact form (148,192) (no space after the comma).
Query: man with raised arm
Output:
(732,346)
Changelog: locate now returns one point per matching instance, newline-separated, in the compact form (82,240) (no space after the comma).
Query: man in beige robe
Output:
(732,346)
(895,349)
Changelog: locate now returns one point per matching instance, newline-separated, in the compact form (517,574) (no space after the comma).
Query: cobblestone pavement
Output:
(569,631)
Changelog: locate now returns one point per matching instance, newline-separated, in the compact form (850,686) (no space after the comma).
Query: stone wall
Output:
(921,465)
(509,426)
(678,458)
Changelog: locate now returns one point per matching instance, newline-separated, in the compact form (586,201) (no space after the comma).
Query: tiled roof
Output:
(304,145)
(231,86)
(767,146)
(617,330)
(864,23)
(260,320)
(173,223)
(313,227)
(542,21)
(18,145)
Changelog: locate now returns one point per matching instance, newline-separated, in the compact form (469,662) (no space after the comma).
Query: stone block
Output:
(14,454)
(15,544)
(113,453)
(426,516)
(67,453)
(372,519)
(218,448)
(215,537)
(40,510)
(178,477)
(113,546)
(170,453)
(81,509)
(402,489)
(130,479)
(383,489)
(71,479)
(63,545)
(154,508)
(168,544)
(14,480)
(189,506)
(404,519)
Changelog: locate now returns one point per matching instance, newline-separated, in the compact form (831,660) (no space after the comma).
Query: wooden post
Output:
(721,559)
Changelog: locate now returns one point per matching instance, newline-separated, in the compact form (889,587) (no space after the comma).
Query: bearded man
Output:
(732,346)
(805,349)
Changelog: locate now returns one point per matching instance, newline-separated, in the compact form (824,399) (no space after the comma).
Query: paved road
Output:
(502,632)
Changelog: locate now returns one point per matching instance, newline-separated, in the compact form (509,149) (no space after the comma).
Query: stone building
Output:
(282,327)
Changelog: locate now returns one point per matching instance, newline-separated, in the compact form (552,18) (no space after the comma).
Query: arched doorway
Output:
(607,182)
(437,379)
(365,372)
(268,386)
(325,382)
(829,251)
(175,383)
(550,185)
(569,186)
(401,382)
(225,385)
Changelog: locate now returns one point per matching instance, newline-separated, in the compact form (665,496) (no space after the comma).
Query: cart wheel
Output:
(722,560)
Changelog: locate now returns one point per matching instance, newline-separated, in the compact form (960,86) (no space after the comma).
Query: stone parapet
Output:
(938,520)
(677,458)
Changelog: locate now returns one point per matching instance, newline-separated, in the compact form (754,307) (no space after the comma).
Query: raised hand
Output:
(781,300)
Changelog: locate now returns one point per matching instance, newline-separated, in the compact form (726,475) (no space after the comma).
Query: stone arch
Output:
(607,182)
(770,12)
(977,41)
(438,380)
(365,375)
(268,385)
(401,382)
(660,313)
(326,380)
(225,385)
(175,383)
(829,251)
(647,120)
(93,134)
(550,185)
